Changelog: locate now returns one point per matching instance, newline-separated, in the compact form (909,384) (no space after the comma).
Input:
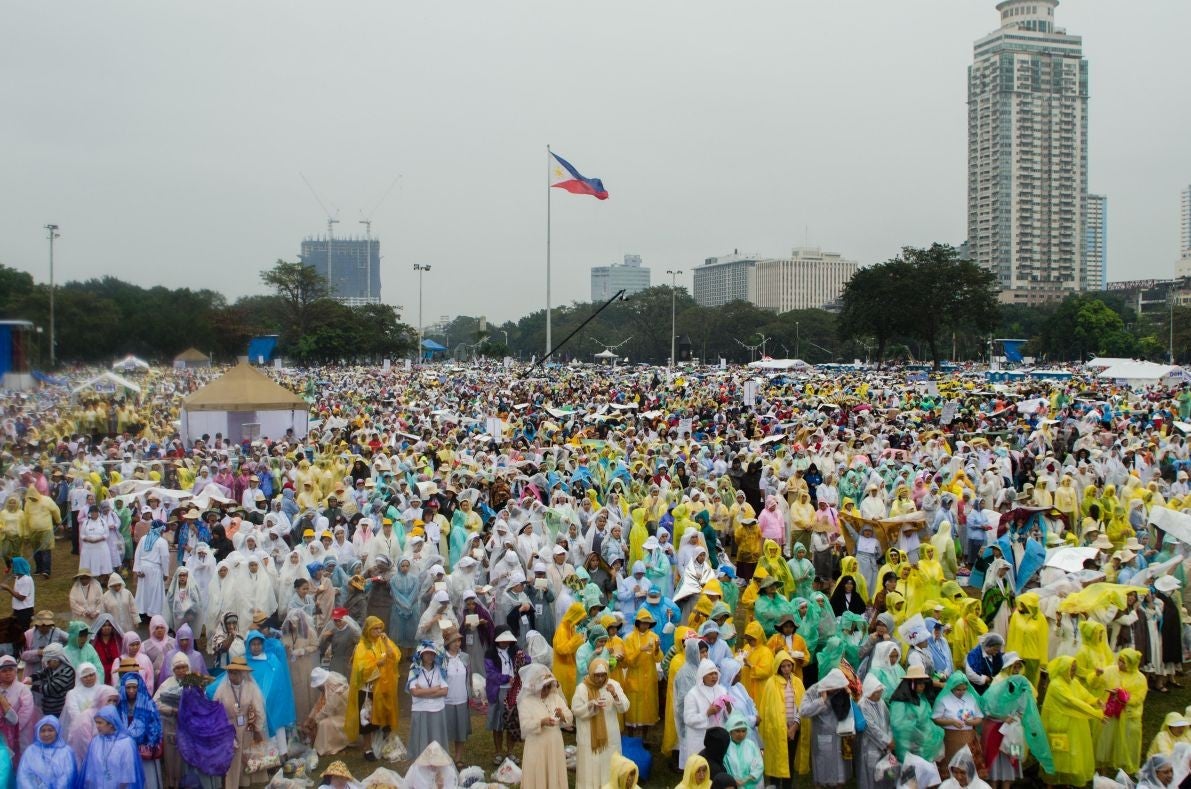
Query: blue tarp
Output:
(46,378)
(261,349)
(431,345)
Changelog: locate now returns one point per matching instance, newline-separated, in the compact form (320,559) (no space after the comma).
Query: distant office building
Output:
(630,275)
(354,266)
(1096,242)
(1028,155)
(809,279)
(1183,267)
(724,279)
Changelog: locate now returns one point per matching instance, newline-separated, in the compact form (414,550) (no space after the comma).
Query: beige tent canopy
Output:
(244,404)
(243,388)
(192,357)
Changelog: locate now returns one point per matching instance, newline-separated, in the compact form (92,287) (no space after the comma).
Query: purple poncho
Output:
(206,738)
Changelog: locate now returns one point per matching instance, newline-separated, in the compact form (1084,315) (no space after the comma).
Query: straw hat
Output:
(916,672)
(83,573)
(338,769)
(128,666)
(239,664)
(43,618)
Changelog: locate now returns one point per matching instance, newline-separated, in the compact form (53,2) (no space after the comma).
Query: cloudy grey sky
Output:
(167,138)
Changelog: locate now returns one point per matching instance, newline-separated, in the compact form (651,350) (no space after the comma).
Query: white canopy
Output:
(606,354)
(1137,373)
(1101,362)
(107,382)
(779,364)
(131,364)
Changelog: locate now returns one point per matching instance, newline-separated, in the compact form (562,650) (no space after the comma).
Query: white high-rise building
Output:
(630,276)
(1183,267)
(808,279)
(1028,154)
(725,279)
(1096,242)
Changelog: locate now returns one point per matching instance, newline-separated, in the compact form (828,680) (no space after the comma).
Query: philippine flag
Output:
(565,176)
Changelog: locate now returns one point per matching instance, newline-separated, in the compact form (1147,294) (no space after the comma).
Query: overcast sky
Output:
(167,138)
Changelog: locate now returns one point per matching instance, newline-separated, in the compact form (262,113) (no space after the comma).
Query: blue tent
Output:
(261,349)
(430,349)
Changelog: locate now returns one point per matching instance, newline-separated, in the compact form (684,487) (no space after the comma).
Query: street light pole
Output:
(797,341)
(52,230)
(673,315)
(421,326)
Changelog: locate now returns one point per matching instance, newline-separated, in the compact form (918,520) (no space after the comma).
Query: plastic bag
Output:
(858,718)
(393,749)
(507,773)
(279,781)
(886,768)
(1013,739)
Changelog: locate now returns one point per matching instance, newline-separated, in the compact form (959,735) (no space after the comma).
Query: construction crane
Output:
(331,222)
(366,221)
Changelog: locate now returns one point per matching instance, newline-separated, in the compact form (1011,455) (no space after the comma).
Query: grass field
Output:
(53,594)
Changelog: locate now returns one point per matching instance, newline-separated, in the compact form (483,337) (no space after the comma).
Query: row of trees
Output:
(99,320)
(922,304)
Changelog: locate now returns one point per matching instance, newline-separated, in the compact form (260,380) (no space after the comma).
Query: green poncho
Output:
(1014,697)
(914,729)
(78,655)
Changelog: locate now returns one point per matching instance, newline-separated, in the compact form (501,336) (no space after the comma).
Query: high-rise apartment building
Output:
(808,279)
(1183,267)
(1096,242)
(630,275)
(351,267)
(724,279)
(1028,154)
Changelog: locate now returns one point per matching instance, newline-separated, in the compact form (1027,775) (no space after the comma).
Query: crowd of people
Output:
(855,576)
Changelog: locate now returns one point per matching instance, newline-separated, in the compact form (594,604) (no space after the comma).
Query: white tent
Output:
(244,404)
(131,364)
(1135,373)
(107,383)
(779,364)
(1102,362)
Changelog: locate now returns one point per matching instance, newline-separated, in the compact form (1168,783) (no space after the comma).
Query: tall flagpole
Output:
(548,168)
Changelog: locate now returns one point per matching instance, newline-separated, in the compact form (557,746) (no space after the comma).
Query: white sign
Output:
(494,427)
(385,365)
(751,388)
(684,427)
(723,363)
(508,362)
(408,365)
(949,409)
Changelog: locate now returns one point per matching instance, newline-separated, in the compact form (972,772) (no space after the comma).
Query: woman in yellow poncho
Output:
(966,630)
(374,673)
(748,597)
(682,523)
(642,654)
(758,661)
(1119,744)
(1067,500)
(943,544)
(1095,664)
(1067,715)
(567,640)
(638,534)
(783,687)
(902,503)
(775,566)
(923,580)
(1174,731)
(1029,635)
(850,565)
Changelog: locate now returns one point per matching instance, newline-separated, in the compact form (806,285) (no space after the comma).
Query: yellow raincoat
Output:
(1067,715)
(638,534)
(1029,635)
(1119,746)
(642,654)
(567,640)
(376,660)
(967,630)
(775,566)
(758,663)
(772,711)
